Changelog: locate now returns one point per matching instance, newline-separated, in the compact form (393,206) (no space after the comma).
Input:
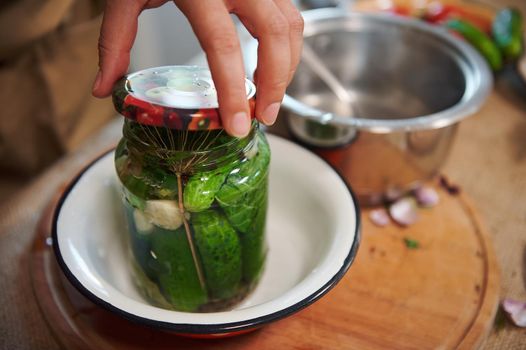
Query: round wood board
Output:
(443,295)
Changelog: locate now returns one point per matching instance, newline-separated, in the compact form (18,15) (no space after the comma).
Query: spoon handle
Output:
(317,66)
(302,110)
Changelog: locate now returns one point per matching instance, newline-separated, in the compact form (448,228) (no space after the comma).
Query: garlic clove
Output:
(142,224)
(164,213)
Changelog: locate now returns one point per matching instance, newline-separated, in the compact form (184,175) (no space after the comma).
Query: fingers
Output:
(296,25)
(118,31)
(267,23)
(216,33)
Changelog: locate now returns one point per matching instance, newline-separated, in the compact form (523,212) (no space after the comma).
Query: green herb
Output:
(411,243)
(137,186)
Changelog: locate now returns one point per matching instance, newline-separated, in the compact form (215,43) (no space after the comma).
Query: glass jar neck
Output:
(184,151)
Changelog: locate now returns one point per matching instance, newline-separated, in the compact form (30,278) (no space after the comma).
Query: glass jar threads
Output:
(195,198)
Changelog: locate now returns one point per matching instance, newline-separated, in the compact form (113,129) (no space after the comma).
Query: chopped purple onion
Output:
(379,217)
(404,211)
(375,199)
(392,194)
(516,311)
(426,196)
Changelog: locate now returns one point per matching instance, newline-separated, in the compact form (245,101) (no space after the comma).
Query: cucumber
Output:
(479,40)
(201,189)
(237,197)
(177,275)
(140,245)
(253,245)
(507,33)
(220,252)
(241,210)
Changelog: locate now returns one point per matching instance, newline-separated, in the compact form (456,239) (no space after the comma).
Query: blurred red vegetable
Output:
(438,13)
(400,10)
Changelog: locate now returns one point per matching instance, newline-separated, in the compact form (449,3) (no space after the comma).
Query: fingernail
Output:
(270,113)
(239,124)
(98,79)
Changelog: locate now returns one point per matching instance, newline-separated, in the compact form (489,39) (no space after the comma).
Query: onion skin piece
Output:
(516,311)
(426,196)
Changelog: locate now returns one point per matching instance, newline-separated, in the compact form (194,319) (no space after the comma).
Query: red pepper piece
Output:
(400,10)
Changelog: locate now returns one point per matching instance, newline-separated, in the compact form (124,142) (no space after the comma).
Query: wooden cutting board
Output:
(443,295)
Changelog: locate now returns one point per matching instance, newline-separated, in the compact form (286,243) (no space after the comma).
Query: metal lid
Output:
(176,97)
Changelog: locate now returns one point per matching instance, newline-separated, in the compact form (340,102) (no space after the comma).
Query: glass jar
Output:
(195,203)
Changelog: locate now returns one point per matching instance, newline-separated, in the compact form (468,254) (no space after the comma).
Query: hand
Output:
(276,24)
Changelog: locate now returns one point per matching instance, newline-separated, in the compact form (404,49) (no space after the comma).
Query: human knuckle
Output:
(108,47)
(220,42)
(278,85)
(296,23)
(277,26)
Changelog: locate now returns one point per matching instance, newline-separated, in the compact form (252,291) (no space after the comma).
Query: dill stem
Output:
(188,232)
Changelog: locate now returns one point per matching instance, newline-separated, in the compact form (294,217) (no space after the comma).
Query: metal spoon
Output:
(314,62)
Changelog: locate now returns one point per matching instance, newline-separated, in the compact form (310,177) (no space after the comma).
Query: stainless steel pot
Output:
(410,84)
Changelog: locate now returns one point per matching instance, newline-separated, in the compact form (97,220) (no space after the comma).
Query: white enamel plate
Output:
(312,231)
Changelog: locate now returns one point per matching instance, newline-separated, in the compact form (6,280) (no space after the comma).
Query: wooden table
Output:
(488,160)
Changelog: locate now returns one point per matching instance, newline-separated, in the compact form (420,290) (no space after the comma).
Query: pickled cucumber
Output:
(201,189)
(253,246)
(239,196)
(140,245)
(177,275)
(220,251)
